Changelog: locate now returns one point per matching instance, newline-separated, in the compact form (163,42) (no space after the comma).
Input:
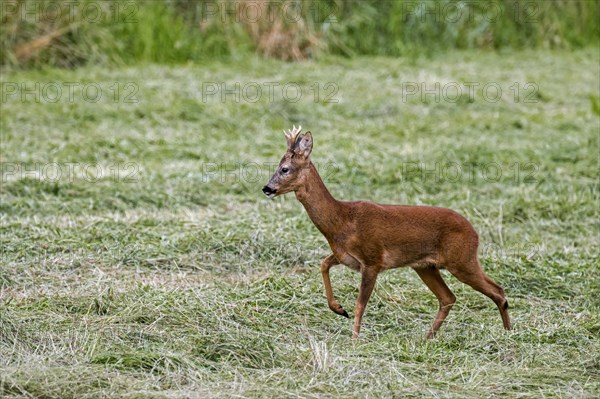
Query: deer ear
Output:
(304,145)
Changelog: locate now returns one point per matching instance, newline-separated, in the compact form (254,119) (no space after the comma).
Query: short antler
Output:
(291,135)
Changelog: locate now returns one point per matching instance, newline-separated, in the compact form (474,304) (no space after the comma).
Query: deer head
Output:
(293,167)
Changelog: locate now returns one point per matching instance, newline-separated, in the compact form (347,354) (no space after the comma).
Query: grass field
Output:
(141,260)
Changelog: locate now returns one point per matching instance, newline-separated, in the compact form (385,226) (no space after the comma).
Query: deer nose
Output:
(268,190)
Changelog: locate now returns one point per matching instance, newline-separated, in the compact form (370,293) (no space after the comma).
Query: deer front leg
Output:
(327,263)
(369,276)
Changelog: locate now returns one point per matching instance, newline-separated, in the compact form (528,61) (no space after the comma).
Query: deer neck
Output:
(324,210)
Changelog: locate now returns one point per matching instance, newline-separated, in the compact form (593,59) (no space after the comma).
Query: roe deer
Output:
(371,238)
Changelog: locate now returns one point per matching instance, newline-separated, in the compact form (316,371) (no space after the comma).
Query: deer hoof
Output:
(338,309)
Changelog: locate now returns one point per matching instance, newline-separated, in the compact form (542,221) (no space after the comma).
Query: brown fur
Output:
(370,238)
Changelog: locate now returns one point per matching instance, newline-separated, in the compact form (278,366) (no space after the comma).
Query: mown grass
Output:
(177,278)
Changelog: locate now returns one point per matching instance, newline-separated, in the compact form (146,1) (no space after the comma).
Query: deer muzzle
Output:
(269,192)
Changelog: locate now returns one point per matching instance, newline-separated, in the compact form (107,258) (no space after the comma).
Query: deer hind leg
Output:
(432,278)
(474,276)
(334,305)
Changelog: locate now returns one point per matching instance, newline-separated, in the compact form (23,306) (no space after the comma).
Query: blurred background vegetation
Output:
(66,33)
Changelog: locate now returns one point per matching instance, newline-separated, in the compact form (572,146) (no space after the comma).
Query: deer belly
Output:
(393,259)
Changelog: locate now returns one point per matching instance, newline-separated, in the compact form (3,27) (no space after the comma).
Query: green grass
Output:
(179,283)
(129,32)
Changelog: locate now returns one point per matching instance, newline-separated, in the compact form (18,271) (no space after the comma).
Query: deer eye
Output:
(284,170)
